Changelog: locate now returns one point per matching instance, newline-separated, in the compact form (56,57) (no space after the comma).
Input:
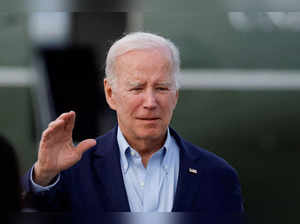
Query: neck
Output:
(144,146)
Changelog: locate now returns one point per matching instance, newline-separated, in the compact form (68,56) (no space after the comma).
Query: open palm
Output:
(57,151)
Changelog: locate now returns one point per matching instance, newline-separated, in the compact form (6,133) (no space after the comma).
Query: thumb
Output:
(85,145)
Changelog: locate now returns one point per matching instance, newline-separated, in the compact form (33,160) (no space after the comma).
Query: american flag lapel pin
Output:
(193,171)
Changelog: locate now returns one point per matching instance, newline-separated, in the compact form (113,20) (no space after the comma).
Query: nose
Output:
(150,101)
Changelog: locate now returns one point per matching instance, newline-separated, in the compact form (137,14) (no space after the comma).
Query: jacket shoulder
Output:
(202,157)
(103,143)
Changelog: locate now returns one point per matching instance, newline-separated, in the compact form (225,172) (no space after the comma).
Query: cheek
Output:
(129,104)
(168,104)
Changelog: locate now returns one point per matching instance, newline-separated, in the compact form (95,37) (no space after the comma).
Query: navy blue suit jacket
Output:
(95,183)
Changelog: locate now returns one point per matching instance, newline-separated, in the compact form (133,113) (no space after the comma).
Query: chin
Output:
(151,133)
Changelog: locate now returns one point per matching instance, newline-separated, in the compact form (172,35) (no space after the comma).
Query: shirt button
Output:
(132,153)
(142,184)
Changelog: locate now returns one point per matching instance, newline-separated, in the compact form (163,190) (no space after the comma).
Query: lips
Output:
(148,118)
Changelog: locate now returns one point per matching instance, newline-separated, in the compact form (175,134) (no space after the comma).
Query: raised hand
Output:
(57,151)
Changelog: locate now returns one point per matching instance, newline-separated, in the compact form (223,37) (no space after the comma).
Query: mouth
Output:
(148,118)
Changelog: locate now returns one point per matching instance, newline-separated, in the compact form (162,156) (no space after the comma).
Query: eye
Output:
(162,88)
(136,89)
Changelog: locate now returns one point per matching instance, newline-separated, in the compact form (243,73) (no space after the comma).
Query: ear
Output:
(109,95)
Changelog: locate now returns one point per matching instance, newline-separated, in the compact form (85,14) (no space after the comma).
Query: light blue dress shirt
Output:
(150,189)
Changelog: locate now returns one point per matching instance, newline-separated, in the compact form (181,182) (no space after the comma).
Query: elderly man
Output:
(142,164)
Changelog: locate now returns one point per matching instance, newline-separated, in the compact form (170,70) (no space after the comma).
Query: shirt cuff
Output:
(38,188)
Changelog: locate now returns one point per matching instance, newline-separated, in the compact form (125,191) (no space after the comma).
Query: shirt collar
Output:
(123,146)
(169,149)
(125,149)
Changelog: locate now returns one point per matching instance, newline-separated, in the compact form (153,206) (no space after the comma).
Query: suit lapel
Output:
(109,173)
(108,170)
(188,178)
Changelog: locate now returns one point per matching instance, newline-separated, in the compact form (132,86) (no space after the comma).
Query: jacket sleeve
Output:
(51,199)
(228,191)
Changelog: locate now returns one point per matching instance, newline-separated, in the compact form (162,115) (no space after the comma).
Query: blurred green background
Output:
(258,133)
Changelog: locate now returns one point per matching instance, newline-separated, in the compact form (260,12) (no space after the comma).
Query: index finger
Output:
(66,115)
(69,121)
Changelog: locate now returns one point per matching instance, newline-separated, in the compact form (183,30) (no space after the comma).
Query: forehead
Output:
(145,63)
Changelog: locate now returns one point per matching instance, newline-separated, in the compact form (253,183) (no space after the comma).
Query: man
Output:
(142,164)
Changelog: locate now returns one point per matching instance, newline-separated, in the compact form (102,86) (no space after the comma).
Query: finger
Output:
(55,123)
(46,136)
(64,116)
(85,145)
(51,124)
(70,121)
(54,127)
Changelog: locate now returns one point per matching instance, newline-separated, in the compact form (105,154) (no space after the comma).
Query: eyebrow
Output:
(164,84)
(133,84)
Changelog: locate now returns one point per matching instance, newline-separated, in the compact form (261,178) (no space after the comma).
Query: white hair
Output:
(140,41)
